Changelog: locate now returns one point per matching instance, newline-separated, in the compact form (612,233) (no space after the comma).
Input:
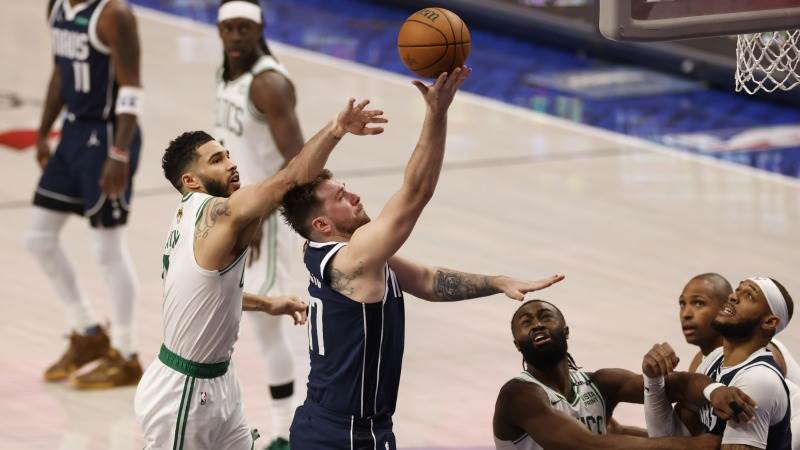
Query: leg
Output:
(120,366)
(269,275)
(42,241)
(57,195)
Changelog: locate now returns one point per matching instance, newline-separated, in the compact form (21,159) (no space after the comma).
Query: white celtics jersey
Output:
(202,308)
(588,406)
(242,129)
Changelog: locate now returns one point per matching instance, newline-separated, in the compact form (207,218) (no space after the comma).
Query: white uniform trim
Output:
(52,16)
(328,257)
(60,197)
(94,39)
(71,12)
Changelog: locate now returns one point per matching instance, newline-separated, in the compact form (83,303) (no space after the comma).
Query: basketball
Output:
(432,41)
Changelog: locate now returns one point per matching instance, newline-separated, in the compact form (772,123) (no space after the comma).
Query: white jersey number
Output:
(315,326)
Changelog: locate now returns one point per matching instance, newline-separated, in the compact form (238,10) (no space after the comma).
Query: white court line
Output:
(487,102)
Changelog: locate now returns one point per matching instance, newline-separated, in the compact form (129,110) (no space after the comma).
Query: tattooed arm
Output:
(437,284)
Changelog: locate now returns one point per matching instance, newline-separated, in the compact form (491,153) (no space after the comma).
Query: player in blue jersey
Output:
(95,82)
(759,309)
(356,311)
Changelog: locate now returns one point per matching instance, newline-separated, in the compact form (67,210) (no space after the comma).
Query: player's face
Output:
(240,38)
(743,312)
(215,170)
(342,208)
(540,334)
(698,308)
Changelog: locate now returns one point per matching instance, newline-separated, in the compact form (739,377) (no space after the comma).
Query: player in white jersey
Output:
(189,398)
(554,405)
(256,121)
(700,301)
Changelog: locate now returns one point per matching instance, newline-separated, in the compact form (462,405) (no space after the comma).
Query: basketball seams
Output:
(444,53)
(453,33)
(429,26)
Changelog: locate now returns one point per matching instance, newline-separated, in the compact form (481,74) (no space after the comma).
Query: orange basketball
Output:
(432,41)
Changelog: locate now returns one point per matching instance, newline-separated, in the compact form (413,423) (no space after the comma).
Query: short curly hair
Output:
(182,152)
(299,203)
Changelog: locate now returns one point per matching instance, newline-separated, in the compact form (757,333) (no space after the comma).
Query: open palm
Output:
(354,119)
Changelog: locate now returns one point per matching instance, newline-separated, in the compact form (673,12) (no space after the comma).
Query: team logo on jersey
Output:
(93,141)
(590,398)
(203,398)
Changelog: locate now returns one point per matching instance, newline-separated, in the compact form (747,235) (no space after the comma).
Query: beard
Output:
(547,356)
(736,330)
(351,225)
(214,187)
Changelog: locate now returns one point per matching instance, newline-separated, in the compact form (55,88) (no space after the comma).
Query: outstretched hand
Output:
(517,289)
(440,94)
(354,119)
(287,305)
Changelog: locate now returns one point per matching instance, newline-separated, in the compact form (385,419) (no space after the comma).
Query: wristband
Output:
(118,154)
(711,388)
(130,100)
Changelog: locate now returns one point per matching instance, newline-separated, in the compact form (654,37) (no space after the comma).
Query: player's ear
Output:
(190,181)
(322,225)
(566,332)
(770,323)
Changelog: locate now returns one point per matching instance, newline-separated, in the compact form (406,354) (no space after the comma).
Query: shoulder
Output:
(709,360)
(119,12)
(271,85)
(763,384)
(698,358)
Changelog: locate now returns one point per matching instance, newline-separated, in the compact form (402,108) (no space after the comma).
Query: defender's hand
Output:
(517,289)
(43,152)
(731,403)
(354,119)
(287,305)
(114,178)
(659,361)
(440,94)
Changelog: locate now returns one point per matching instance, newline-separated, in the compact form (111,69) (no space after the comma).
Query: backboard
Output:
(664,20)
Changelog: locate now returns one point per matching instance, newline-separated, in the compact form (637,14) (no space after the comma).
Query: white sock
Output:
(282,413)
(116,264)
(43,243)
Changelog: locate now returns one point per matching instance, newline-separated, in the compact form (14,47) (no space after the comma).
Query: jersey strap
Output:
(191,368)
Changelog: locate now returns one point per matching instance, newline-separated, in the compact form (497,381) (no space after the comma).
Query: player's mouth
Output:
(540,338)
(728,310)
(235,53)
(689,330)
(234,181)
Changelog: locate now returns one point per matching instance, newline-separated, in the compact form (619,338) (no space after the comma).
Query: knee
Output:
(41,243)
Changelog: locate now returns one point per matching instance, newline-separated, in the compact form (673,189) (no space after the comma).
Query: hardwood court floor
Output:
(521,194)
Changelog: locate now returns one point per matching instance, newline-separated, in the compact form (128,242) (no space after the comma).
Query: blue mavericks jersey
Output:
(83,61)
(356,348)
(779,435)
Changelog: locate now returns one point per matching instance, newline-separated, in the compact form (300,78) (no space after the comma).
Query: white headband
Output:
(775,300)
(239,10)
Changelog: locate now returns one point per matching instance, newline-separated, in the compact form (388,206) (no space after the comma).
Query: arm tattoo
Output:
(450,285)
(219,207)
(342,282)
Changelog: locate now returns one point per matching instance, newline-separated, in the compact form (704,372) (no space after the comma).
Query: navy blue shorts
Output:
(316,428)
(70,181)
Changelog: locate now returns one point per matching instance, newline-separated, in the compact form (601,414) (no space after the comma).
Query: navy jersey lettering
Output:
(82,60)
(356,348)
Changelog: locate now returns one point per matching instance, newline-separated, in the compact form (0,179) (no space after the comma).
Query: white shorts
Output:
(178,411)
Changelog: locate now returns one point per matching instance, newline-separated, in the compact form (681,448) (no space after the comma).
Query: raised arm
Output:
(374,243)
(524,408)
(437,284)
(255,201)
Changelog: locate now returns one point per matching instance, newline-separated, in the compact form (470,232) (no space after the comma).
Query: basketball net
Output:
(768,61)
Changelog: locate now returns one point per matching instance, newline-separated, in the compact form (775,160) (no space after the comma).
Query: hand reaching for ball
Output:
(440,94)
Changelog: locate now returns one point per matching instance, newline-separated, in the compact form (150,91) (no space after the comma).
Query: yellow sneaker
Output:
(82,350)
(113,371)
